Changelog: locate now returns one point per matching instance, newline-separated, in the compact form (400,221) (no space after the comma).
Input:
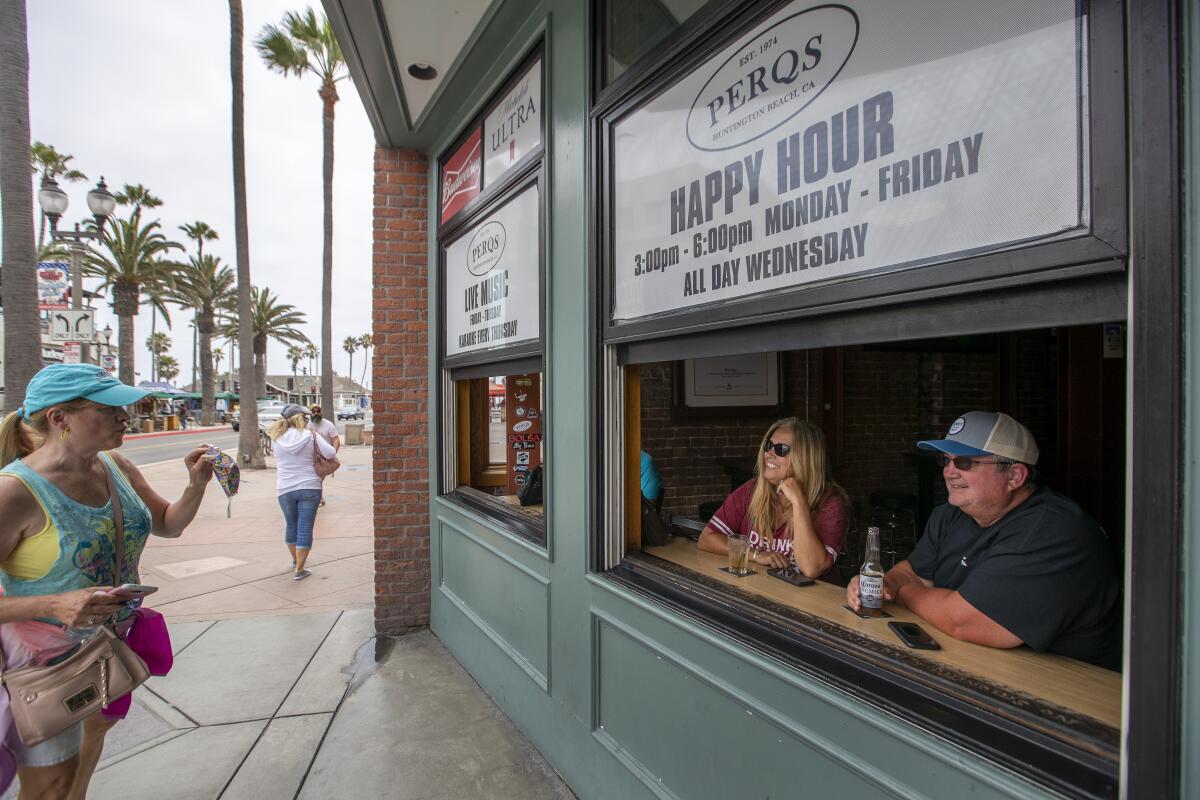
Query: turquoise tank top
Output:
(86,536)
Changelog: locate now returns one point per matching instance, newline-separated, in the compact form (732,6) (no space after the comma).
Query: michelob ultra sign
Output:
(839,140)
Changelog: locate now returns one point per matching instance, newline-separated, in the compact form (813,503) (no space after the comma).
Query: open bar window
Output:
(492,290)
(867,220)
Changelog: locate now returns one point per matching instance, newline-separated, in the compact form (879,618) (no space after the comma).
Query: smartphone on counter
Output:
(914,636)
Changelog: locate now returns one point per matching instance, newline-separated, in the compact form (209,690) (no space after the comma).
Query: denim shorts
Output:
(55,750)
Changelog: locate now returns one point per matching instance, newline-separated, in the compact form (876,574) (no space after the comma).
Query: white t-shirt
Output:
(325,428)
(294,460)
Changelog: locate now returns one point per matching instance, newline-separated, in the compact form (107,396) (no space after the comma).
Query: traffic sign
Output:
(72,325)
(71,351)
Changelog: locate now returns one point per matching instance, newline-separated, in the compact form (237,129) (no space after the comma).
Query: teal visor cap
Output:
(60,383)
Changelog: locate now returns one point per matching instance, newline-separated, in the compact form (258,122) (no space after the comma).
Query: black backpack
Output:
(654,532)
(530,494)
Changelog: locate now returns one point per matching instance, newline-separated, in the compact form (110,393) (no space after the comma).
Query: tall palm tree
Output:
(199,232)
(133,264)
(157,296)
(21,325)
(205,286)
(217,355)
(294,354)
(366,342)
(137,196)
(168,367)
(158,343)
(270,319)
(249,449)
(313,353)
(55,166)
(304,43)
(350,345)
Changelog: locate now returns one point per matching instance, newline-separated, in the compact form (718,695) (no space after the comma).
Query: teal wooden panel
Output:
(689,736)
(506,600)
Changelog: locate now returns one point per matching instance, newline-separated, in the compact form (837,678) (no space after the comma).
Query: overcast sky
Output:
(138,91)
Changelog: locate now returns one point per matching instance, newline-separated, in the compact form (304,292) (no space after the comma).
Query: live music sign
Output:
(461,176)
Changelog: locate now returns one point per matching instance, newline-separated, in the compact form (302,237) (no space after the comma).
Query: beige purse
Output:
(46,700)
(324,467)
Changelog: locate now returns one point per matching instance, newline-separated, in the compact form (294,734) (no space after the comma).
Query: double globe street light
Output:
(54,202)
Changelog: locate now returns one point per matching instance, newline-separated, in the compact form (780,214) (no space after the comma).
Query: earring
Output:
(62,437)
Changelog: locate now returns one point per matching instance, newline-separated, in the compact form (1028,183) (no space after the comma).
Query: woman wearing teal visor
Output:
(57,546)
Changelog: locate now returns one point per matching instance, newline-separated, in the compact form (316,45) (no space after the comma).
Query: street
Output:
(154,449)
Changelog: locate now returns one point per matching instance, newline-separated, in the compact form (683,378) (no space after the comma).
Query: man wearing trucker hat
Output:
(1006,561)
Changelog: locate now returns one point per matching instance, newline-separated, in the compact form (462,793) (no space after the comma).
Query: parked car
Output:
(351,411)
(268,412)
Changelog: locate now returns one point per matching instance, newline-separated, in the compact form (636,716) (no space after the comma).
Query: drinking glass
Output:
(739,552)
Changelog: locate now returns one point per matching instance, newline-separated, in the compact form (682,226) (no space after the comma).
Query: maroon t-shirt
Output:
(829,522)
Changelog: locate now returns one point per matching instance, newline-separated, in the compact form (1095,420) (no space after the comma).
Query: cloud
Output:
(138,90)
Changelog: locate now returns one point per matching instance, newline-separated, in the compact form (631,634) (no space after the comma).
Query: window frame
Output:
(520,357)
(1142,285)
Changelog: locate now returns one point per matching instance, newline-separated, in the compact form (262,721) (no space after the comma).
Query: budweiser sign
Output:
(461,176)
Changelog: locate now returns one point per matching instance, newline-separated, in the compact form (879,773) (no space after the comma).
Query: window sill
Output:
(512,517)
(1068,752)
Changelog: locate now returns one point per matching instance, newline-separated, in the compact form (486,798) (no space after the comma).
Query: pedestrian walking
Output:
(62,485)
(296,480)
(326,429)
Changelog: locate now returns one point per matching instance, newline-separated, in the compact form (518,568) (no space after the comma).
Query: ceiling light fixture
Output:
(422,71)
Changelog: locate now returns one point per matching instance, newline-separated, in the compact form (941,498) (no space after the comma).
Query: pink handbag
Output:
(324,467)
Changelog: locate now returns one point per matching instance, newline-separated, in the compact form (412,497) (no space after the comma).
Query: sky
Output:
(138,91)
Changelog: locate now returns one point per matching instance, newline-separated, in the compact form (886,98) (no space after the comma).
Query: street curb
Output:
(131,436)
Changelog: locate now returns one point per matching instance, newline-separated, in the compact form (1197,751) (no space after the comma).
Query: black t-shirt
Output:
(1044,572)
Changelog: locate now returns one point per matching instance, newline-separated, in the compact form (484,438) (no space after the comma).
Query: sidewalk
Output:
(280,688)
(237,566)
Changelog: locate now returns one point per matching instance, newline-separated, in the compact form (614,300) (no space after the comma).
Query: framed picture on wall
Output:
(725,385)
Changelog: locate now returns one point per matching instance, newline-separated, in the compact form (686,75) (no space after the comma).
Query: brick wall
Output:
(401,392)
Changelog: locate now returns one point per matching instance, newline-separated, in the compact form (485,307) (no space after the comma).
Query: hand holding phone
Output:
(130,591)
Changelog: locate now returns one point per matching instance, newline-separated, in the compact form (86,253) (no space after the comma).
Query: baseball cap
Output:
(982,433)
(59,383)
(291,410)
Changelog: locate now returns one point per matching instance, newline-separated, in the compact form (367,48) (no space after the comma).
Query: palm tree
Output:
(133,264)
(313,353)
(366,342)
(157,343)
(157,296)
(350,345)
(199,232)
(205,286)
(168,367)
(217,355)
(305,43)
(21,325)
(137,196)
(249,449)
(270,320)
(294,354)
(53,165)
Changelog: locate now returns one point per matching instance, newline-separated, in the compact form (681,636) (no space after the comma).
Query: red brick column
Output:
(400,395)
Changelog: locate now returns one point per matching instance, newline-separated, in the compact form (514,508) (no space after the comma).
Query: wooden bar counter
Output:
(1073,685)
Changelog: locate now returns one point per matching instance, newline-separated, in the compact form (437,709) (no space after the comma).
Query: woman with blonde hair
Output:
(296,481)
(58,549)
(792,511)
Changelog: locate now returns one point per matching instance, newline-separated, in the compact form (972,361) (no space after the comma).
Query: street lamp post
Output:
(54,202)
(107,333)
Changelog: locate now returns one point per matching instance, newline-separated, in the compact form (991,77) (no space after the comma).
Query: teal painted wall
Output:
(625,699)
(1190,51)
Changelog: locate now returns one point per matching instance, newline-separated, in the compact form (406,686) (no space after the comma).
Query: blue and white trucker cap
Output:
(986,433)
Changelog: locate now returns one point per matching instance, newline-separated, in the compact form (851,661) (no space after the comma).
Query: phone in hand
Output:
(128,591)
(914,636)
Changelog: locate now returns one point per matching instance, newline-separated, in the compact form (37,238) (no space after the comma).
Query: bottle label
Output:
(870,591)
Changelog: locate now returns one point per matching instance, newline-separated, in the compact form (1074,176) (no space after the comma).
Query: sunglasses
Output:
(780,448)
(963,463)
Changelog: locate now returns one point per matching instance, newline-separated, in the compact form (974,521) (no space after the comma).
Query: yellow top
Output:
(33,557)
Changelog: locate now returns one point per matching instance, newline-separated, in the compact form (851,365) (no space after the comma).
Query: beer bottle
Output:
(870,577)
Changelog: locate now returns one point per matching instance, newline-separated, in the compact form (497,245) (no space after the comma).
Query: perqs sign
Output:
(772,78)
(492,278)
(840,140)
